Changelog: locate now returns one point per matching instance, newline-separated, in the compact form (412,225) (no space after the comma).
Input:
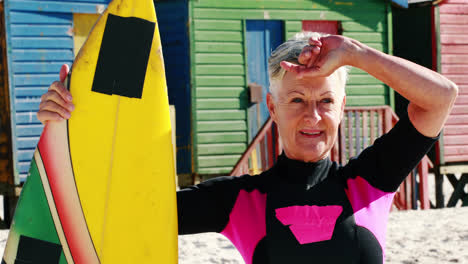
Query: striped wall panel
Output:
(39,40)
(454,65)
(38,44)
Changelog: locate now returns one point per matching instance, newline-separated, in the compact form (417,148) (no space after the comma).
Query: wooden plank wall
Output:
(218,68)
(39,41)
(6,163)
(454,64)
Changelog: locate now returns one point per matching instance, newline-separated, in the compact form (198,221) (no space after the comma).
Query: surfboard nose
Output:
(143,9)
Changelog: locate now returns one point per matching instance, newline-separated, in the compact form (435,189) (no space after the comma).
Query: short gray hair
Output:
(289,51)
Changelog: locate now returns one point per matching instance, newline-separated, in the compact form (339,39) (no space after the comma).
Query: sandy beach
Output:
(433,236)
(429,237)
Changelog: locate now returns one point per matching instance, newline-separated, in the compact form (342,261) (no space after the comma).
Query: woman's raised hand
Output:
(322,56)
(56,104)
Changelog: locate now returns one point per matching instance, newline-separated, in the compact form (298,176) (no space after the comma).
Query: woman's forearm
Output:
(431,95)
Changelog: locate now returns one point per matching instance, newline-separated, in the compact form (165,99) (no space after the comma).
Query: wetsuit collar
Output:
(299,172)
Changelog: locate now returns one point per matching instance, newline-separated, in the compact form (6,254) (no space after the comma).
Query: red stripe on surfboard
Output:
(51,165)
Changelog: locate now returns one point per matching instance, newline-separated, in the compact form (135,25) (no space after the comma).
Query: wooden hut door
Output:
(323,26)
(262,37)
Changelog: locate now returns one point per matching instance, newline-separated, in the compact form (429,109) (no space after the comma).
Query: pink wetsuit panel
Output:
(310,224)
(371,207)
(246,225)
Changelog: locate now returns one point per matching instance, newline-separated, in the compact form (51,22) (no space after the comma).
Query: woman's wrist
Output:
(356,53)
(365,58)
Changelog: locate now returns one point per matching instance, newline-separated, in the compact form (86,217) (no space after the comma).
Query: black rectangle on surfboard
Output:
(123,57)
(31,250)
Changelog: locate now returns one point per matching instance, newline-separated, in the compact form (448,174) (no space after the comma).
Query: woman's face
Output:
(308,113)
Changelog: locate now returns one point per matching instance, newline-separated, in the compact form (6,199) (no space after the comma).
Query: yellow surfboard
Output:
(107,174)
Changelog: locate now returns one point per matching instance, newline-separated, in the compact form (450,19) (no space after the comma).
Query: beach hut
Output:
(433,34)
(215,54)
(451,57)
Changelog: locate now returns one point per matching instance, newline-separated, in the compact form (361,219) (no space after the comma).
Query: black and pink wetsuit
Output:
(300,212)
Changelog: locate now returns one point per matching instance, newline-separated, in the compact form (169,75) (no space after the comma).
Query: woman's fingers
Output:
(325,65)
(51,111)
(317,59)
(291,67)
(308,54)
(315,54)
(44,116)
(59,87)
(305,55)
(64,72)
(54,107)
(57,108)
(302,71)
(313,41)
(56,104)
(58,99)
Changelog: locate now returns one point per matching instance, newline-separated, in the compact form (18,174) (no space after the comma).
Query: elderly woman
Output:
(307,209)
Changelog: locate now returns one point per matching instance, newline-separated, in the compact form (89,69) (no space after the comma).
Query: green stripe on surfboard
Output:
(32,216)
